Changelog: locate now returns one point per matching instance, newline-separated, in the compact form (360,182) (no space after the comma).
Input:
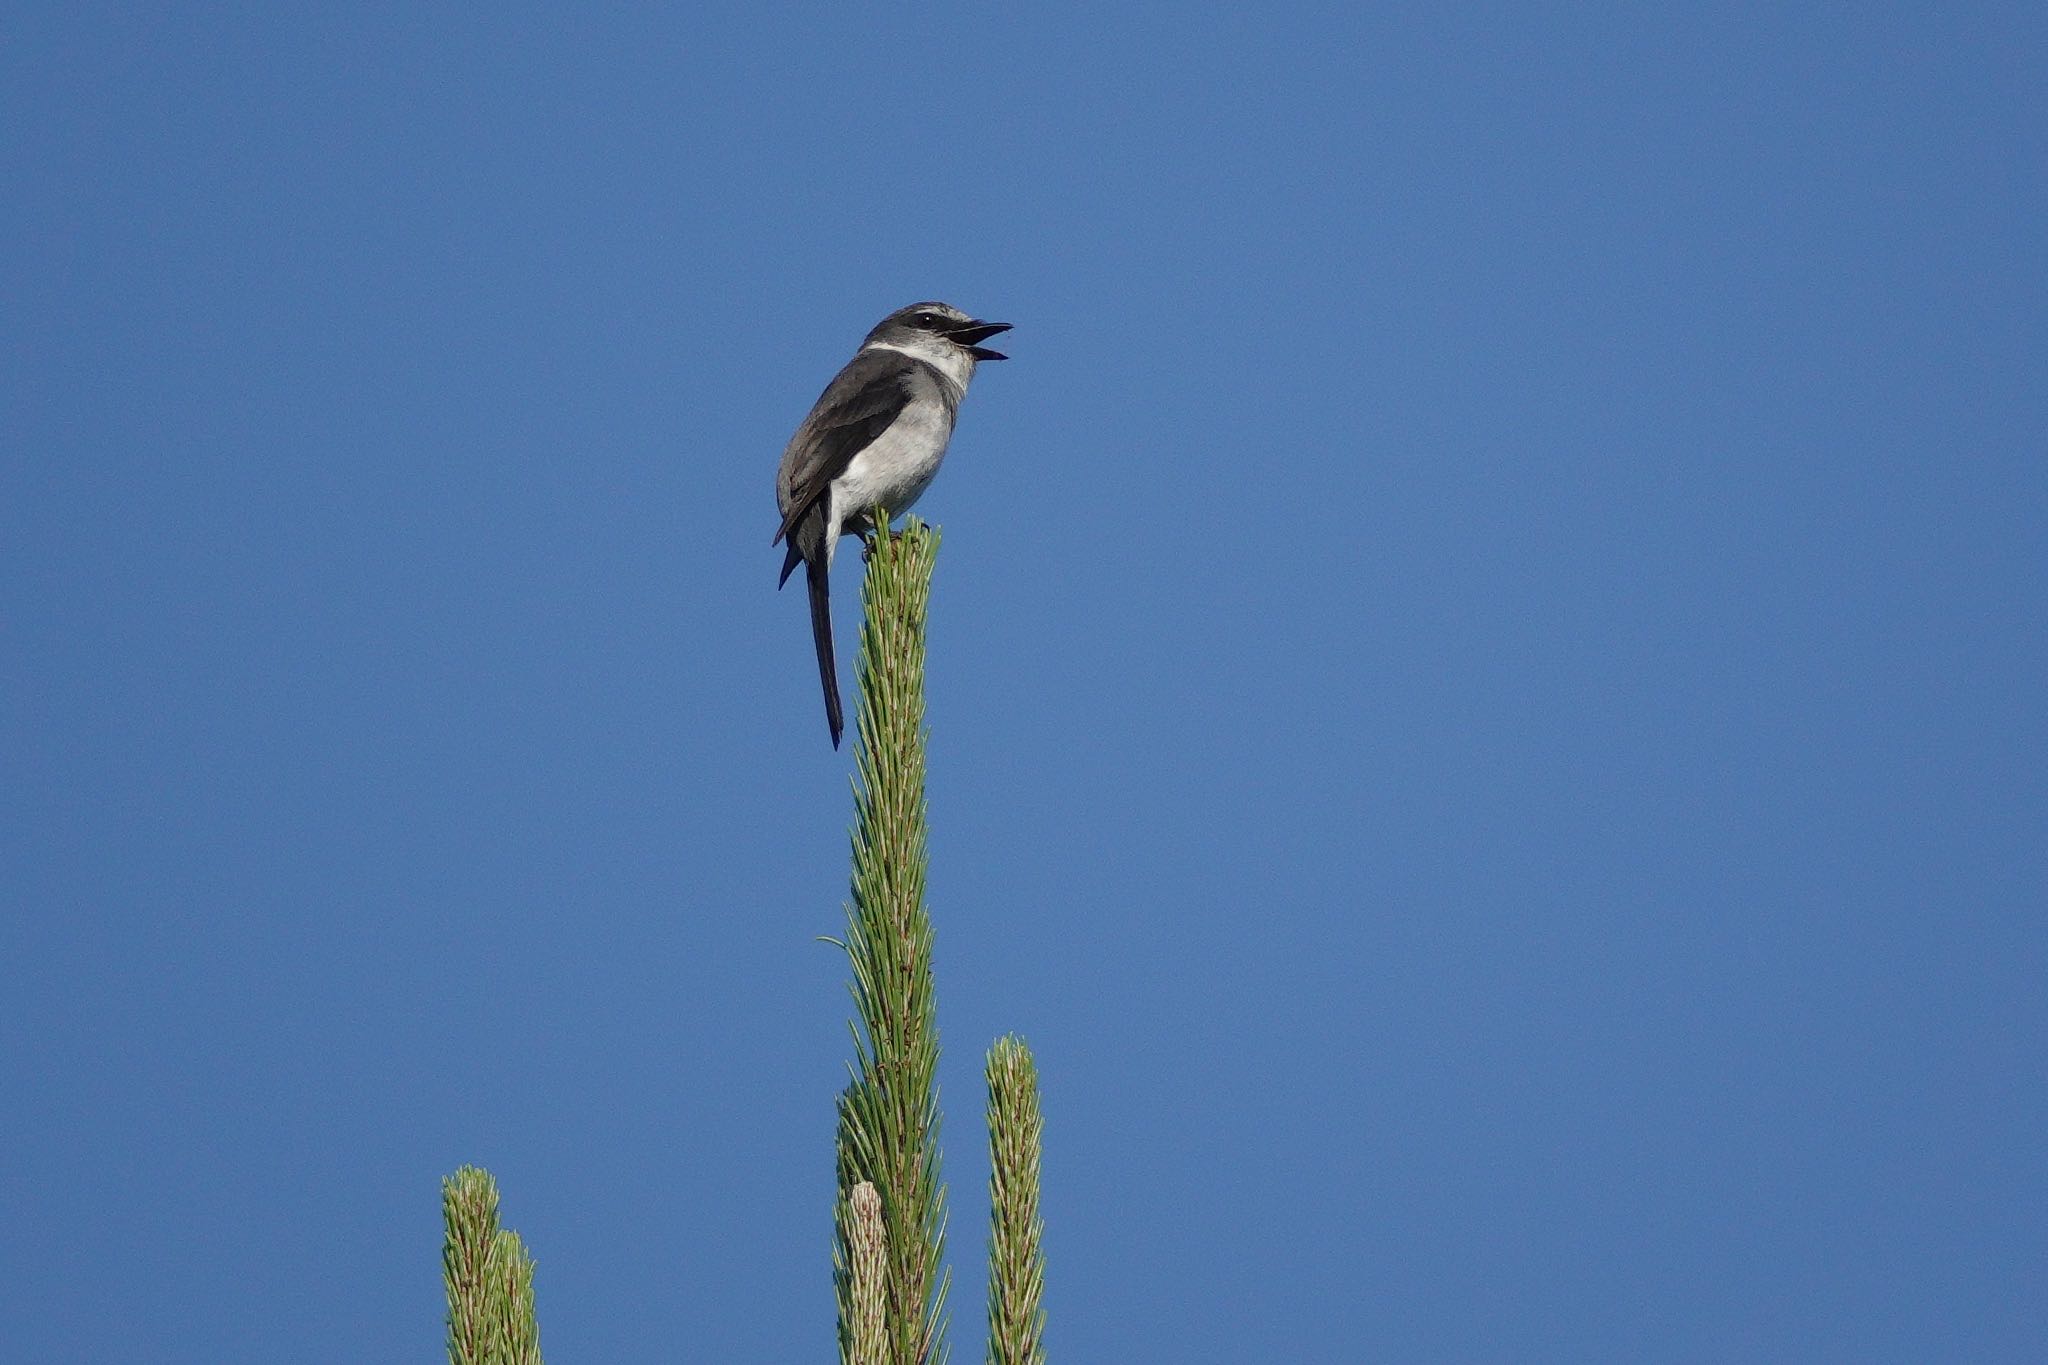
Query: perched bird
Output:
(874,439)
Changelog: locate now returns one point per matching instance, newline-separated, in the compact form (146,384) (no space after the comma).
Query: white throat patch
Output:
(948,359)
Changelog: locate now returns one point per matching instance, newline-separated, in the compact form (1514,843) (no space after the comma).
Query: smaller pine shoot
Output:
(1016,1252)
(489,1277)
(868,1278)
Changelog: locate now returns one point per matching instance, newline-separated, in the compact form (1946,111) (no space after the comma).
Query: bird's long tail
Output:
(821,631)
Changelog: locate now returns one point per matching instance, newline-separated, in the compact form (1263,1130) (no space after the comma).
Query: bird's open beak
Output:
(970,333)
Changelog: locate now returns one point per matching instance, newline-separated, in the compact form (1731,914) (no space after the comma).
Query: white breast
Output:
(896,468)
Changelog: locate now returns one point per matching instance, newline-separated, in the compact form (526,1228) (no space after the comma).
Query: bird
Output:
(873,440)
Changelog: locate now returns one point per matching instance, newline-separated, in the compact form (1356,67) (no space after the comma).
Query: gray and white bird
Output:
(874,439)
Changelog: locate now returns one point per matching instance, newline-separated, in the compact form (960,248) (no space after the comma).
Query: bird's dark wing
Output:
(857,406)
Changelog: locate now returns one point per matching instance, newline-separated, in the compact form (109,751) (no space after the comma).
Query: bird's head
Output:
(938,331)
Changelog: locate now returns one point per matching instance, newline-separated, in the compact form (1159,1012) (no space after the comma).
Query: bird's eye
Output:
(930,320)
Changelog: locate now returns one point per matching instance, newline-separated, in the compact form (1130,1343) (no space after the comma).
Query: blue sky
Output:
(1486,681)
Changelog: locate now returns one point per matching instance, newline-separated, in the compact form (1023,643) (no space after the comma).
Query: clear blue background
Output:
(1486,692)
